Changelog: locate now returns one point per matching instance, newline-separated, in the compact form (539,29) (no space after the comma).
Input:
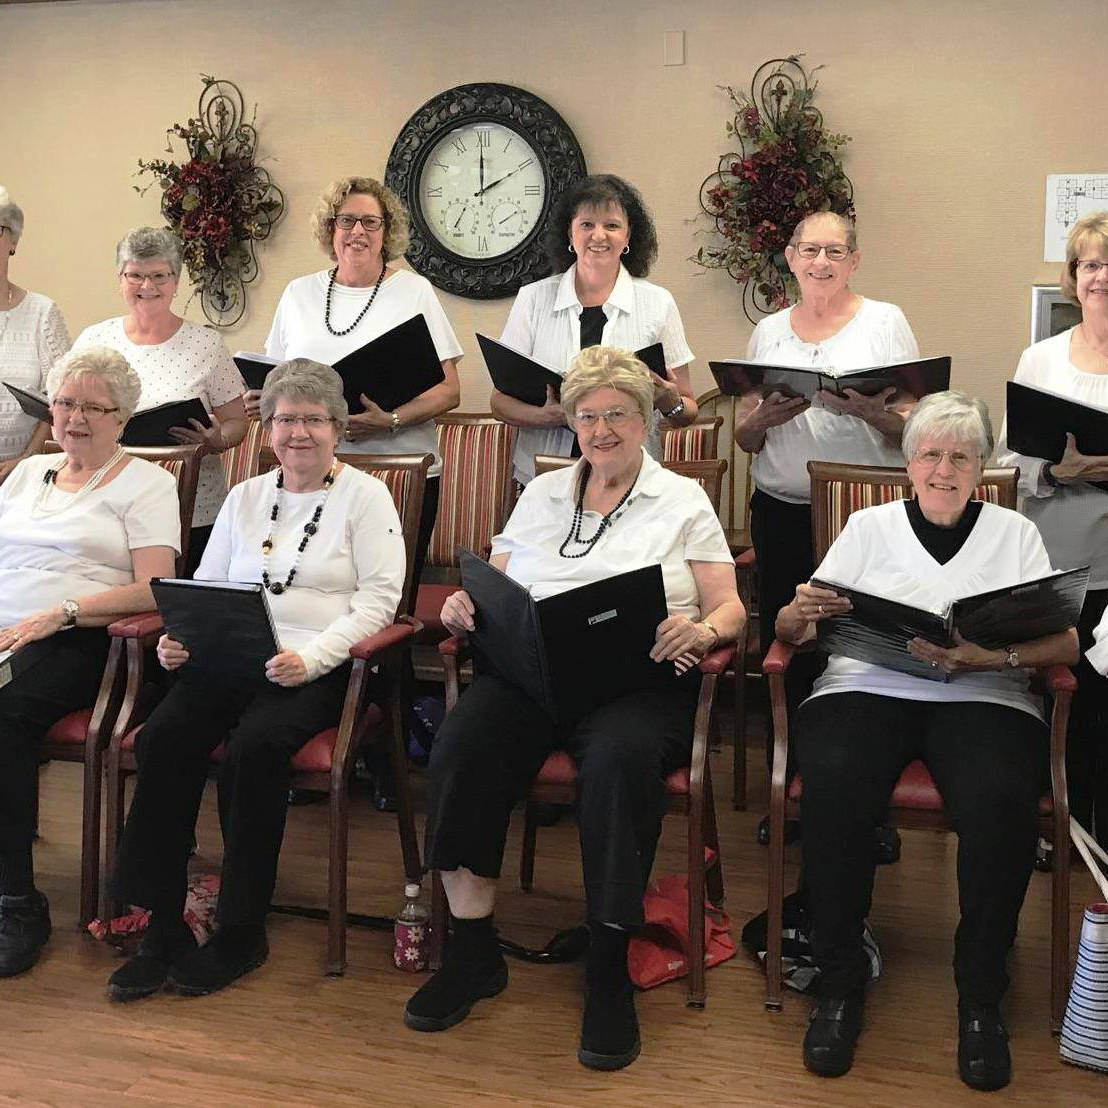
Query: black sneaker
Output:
(833,1029)
(146,972)
(983,1059)
(24,929)
(231,953)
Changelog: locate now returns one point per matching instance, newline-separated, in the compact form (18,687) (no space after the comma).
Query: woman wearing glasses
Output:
(615,510)
(325,541)
(1068,501)
(81,534)
(981,733)
(175,360)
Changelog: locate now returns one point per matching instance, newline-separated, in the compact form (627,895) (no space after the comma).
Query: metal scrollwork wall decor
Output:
(219,203)
(787,167)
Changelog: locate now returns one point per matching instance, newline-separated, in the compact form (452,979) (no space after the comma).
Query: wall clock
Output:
(479,168)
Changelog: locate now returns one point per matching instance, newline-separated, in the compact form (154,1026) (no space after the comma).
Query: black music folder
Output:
(226,625)
(916,377)
(393,368)
(877,630)
(14,662)
(517,375)
(254,367)
(33,404)
(572,652)
(151,427)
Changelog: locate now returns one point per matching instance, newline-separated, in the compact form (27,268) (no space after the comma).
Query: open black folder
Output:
(877,630)
(226,625)
(254,367)
(916,377)
(572,652)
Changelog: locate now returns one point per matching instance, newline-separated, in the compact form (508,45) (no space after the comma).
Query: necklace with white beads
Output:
(41,505)
(310,528)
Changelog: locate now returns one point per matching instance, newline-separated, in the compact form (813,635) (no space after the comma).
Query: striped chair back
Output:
(693,443)
(838,490)
(475,490)
(242,462)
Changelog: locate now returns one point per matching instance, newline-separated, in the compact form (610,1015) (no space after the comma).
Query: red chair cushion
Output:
(429,602)
(559,769)
(71,729)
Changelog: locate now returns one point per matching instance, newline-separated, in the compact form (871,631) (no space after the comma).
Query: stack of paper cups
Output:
(1085,1028)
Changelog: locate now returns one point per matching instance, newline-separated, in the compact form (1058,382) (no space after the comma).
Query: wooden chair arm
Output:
(144,625)
(747,560)
(1059,678)
(778,657)
(717,661)
(457,646)
(404,629)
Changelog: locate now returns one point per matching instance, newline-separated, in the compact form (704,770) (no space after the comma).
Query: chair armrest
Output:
(1059,678)
(746,560)
(138,626)
(717,661)
(778,657)
(404,629)
(454,647)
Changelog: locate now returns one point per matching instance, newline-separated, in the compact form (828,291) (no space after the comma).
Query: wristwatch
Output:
(395,426)
(1013,659)
(69,611)
(676,410)
(1048,474)
(711,627)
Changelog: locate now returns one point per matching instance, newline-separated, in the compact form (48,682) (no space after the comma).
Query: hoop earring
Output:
(569,248)
(626,250)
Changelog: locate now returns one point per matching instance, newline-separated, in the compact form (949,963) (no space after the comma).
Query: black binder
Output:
(15,662)
(916,377)
(33,404)
(254,367)
(517,375)
(572,652)
(226,625)
(151,427)
(877,630)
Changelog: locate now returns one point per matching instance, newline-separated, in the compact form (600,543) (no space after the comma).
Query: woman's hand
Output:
(171,654)
(39,626)
(286,669)
(772,410)
(680,640)
(458,612)
(963,657)
(210,438)
(251,403)
(870,408)
(374,418)
(551,414)
(667,391)
(1076,466)
(814,604)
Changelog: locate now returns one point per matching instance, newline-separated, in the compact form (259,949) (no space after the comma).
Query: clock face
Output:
(482,190)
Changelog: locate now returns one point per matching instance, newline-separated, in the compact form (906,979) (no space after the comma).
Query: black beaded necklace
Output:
(361,314)
(574,535)
(310,529)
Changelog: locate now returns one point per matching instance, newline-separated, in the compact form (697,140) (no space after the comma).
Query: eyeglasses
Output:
(349,222)
(311,422)
(613,417)
(835,251)
(160,278)
(959,459)
(1088,267)
(90,411)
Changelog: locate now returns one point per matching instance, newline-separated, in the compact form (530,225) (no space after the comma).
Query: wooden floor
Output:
(287,1035)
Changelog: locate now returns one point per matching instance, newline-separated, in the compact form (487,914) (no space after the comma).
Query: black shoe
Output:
(231,953)
(833,1029)
(1044,856)
(792,831)
(146,972)
(888,845)
(24,929)
(609,1028)
(297,798)
(983,1059)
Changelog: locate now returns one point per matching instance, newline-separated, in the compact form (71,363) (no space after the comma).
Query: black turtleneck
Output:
(942,543)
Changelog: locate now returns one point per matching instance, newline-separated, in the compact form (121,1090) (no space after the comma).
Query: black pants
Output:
(64,679)
(989,763)
(492,745)
(262,728)
(427,518)
(1087,738)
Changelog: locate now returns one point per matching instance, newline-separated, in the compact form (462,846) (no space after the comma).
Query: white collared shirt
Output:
(545,324)
(666,520)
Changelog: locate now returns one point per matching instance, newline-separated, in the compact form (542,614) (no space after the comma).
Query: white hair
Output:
(949,415)
(102,362)
(149,244)
(11,214)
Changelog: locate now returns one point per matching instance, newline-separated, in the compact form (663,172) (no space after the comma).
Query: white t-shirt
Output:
(1073,519)
(878,552)
(194,362)
(299,331)
(349,578)
(32,338)
(545,324)
(84,547)
(878,334)
(667,520)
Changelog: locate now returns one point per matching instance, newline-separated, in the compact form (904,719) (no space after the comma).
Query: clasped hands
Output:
(286,669)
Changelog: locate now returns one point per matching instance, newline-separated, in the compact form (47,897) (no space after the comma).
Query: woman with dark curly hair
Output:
(602,244)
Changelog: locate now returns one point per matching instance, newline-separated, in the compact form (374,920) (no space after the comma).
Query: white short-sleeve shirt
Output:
(545,324)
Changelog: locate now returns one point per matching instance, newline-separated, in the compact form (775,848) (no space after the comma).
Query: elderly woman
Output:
(32,338)
(602,243)
(325,541)
(81,534)
(981,734)
(1070,510)
(616,510)
(175,360)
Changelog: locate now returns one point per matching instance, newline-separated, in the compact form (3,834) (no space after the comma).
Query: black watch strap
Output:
(1048,475)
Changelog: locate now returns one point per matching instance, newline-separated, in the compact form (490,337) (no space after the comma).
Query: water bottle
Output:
(411,933)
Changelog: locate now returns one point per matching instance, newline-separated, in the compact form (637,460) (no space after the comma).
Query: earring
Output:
(569,248)
(626,250)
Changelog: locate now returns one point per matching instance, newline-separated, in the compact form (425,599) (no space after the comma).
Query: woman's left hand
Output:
(374,418)
(681,641)
(286,669)
(210,438)
(39,626)
(667,393)
(963,657)
(869,408)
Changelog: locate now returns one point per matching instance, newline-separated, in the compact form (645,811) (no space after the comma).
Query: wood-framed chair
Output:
(692,442)
(838,490)
(83,736)
(326,761)
(244,461)
(735,504)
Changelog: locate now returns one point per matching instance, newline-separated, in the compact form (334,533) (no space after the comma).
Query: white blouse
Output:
(32,338)
(84,546)
(349,578)
(1073,518)
(193,362)
(877,335)
(545,324)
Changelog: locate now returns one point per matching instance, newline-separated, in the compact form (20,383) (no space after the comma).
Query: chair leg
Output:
(527,851)
(697,989)
(738,794)
(90,835)
(776,854)
(440,920)
(336,878)
(113,830)
(713,877)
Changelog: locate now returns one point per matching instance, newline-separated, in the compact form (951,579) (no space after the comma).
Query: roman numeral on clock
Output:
(459,146)
(531,190)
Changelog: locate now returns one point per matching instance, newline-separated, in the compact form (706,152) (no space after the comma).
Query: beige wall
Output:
(958,109)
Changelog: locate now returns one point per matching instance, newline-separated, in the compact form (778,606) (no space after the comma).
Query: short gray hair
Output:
(849,230)
(149,244)
(949,415)
(11,214)
(109,366)
(306,380)
(605,367)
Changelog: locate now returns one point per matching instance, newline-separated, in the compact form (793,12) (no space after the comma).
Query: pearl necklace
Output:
(310,528)
(361,314)
(41,506)
(574,535)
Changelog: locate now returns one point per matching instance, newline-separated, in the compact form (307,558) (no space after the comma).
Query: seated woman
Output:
(81,534)
(325,540)
(613,511)
(981,734)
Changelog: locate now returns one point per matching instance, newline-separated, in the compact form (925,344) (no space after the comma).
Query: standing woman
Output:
(1070,511)
(32,338)
(602,244)
(175,360)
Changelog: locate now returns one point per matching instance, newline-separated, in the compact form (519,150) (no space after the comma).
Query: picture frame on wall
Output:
(1051,312)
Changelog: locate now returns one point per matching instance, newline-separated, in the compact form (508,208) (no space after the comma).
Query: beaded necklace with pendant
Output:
(310,528)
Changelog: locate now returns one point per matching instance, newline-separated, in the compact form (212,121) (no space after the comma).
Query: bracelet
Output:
(711,627)
(1048,475)
(396,424)
(676,410)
